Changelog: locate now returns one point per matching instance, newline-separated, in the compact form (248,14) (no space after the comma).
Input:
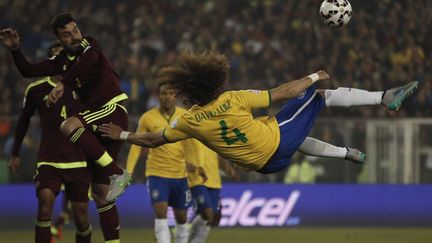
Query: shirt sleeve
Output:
(23,123)
(174,132)
(49,67)
(254,98)
(142,125)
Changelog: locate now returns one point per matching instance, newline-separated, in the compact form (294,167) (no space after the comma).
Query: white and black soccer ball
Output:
(335,13)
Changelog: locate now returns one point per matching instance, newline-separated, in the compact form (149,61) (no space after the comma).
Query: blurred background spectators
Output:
(387,43)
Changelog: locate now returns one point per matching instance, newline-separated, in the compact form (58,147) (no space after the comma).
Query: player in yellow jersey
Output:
(223,121)
(165,167)
(206,195)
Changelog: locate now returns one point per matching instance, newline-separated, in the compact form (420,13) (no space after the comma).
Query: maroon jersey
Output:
(89,73)
(54,146)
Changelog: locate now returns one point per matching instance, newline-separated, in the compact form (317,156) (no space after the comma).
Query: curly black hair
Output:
(197,78)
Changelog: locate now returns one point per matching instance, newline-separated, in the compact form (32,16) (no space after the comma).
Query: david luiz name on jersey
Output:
(204,115)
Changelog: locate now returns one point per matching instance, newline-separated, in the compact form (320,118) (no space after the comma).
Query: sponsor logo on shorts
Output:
(200,199)
(155,194)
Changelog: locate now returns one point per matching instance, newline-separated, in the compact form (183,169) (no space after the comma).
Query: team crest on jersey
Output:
(174,123)
(155,194)
(301,95)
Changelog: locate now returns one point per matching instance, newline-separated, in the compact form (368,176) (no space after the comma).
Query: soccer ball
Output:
(335,13)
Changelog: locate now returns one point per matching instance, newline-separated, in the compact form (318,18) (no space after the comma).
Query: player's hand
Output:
(230,172)
(55,94)
(202,173)
(14,165)
(190,168)
(323,75)
(10,38)
(110,131)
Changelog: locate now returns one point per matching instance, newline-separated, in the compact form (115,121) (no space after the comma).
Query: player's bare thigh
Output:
(69,125)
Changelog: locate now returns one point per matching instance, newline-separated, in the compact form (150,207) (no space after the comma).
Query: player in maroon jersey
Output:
(86,70)
(59,161)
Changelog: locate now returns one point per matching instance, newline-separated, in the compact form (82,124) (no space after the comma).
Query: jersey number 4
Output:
(63,112)
(238,135)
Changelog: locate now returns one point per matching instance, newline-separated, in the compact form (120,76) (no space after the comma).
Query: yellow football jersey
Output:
(210,163)
(166,161)
(226,126)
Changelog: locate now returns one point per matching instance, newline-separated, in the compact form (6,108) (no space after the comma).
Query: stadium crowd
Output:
(266,41)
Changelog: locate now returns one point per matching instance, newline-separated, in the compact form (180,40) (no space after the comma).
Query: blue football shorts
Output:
(174,191)
(295,119)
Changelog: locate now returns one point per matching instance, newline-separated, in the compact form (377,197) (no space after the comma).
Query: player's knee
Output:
(69,125)
(208,215)
(99,193)
(181,219)
(216,219)
(44,210)
(99,198)
(46,197)
(210,221)
(160,211)
(81,221)
(44,213)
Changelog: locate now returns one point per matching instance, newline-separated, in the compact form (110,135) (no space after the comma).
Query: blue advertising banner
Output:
(251,205)
(326,205)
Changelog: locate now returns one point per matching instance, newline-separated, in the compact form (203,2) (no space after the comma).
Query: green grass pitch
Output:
(262,235)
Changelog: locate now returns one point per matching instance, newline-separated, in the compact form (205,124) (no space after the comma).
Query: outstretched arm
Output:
(135,150)
(10,39)
(20,131)
(146,139)
(294,88)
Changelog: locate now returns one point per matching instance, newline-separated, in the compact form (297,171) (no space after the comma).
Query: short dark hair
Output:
(54,44)
(160,84)
(60,21)
(197,78)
